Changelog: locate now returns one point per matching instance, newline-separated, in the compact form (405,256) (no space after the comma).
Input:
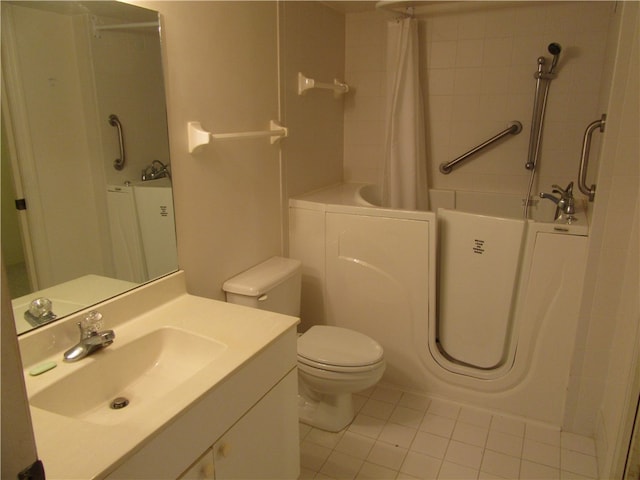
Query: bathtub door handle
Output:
(114,121)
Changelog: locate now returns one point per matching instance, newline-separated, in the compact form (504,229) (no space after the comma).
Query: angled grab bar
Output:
(114,121)
(584,157)
(515,128)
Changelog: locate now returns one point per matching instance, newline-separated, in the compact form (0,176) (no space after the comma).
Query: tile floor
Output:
(398,435)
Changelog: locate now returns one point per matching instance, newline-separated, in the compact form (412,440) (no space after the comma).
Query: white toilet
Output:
(333,362)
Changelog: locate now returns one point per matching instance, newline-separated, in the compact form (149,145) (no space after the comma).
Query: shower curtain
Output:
(404,182)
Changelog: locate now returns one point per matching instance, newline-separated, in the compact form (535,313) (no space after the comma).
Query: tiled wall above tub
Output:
(477,71)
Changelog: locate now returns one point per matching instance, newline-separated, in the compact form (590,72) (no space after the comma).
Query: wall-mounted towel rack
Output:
(305,83)
(584,157)
(197,136)
(515,128)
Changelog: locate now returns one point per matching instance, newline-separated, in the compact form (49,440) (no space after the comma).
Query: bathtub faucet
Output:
(156,170)
(565,204)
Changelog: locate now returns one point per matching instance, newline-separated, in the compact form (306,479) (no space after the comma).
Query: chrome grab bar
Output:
(584,157)
(114,121)
(515,128)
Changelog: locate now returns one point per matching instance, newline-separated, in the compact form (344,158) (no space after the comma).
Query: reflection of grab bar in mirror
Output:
(114,121)
(584,157)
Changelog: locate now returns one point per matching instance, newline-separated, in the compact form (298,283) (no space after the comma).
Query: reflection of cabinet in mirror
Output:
(62,79)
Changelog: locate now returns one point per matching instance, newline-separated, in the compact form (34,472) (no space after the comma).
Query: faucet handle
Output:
(566,192)
(91,323)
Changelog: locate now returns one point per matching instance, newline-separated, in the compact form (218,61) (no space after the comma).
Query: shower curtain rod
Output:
(419,8)
(117,26)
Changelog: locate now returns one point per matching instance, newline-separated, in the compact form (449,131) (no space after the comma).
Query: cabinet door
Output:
(201,469)
(263,444)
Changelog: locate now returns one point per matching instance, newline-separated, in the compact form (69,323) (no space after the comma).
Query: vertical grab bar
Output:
(114,121)
(584,157)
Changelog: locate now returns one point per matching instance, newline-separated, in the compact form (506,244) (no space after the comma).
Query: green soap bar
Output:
(43,367)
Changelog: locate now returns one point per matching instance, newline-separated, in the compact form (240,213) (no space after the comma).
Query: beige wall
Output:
(312,43)
(18,442)
(222,70)
(607,363)
(477,71)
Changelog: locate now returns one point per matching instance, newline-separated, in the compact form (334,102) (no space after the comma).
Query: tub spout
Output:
(565,203)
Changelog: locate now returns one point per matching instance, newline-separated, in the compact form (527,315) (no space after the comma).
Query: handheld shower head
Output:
(554,49)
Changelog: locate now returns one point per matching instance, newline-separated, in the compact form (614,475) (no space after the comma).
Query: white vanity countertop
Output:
(74,448)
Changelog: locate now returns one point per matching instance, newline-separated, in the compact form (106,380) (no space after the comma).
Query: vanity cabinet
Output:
(261,445)
(245,427)
(202,469)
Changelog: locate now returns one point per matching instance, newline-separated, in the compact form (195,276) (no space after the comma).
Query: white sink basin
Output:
(141,371)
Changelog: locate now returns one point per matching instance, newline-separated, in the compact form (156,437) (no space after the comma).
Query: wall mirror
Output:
(87,210)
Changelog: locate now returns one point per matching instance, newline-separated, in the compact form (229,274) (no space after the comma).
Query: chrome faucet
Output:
(156,170)
(565,204)
(91,338)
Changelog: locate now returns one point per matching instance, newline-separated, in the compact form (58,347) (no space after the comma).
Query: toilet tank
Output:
(272,285)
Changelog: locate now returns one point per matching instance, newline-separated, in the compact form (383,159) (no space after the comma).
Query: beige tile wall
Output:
(477,72)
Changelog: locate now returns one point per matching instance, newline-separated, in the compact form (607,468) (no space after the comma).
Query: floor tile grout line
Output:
(416,428)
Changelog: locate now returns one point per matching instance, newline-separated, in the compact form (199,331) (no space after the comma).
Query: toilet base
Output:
(329,412)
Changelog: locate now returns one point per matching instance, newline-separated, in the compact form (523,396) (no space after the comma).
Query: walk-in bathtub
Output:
(392,274)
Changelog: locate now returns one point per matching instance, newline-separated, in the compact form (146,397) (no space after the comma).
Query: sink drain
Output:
(119,403)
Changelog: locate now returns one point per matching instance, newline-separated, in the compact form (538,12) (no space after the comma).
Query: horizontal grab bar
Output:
(197,136)
(584,157)
(515,128)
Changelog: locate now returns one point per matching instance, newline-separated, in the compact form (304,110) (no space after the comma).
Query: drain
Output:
(119,403)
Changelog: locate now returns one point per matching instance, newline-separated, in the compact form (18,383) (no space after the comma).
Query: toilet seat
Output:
(304,362)
(339,350)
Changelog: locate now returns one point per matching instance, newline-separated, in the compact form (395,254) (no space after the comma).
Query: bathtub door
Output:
(478,269)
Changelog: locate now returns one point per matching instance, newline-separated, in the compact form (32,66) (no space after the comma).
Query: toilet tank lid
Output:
(261,278)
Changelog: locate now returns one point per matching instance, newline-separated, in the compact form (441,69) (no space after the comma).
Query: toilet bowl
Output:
(333,362)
